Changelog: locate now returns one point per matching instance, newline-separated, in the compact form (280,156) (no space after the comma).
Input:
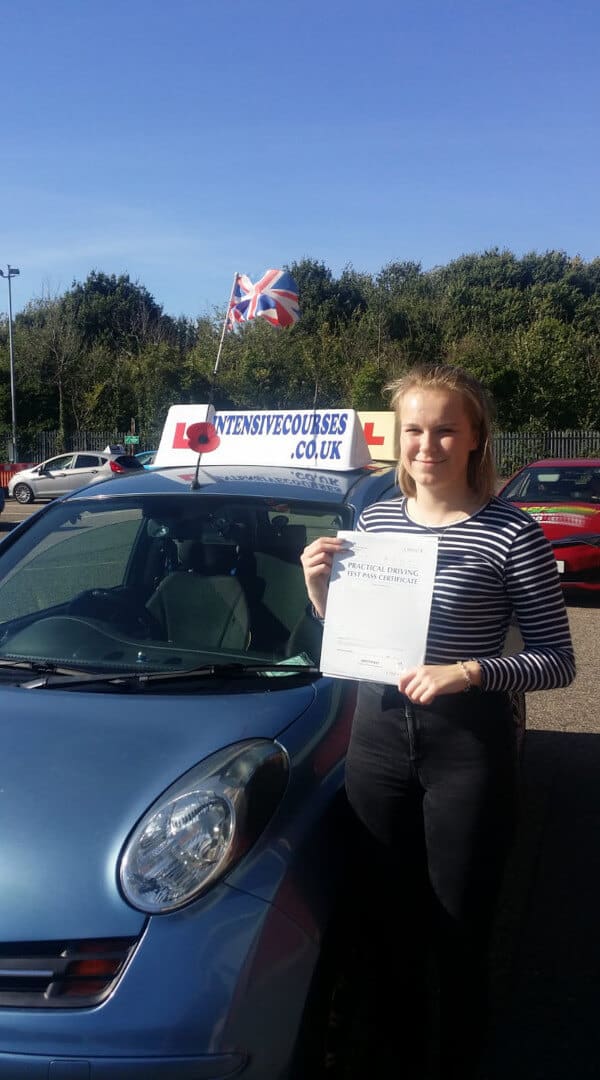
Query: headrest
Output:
(287,540)
(207,558)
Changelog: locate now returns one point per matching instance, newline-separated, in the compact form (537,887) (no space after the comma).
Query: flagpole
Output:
(225,320)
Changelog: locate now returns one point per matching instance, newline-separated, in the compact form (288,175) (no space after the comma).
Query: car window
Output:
(86,552)
(592,489)
(62,462)
(558,484)
(128,461)
(154,581)
(87,461)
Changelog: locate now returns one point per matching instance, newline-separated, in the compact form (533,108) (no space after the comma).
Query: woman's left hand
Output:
(423,683)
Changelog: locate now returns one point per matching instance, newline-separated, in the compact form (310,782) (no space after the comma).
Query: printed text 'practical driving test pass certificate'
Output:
(378,605)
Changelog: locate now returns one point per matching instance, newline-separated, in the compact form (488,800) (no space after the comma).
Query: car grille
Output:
(61,975)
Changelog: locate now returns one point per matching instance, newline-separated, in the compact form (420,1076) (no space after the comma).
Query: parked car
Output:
(173,807)
(59,475)
(146,457)
(564,496)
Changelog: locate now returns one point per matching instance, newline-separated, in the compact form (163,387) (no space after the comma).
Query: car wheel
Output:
(23,494)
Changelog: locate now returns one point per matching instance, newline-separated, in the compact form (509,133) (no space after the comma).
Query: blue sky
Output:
(181,142)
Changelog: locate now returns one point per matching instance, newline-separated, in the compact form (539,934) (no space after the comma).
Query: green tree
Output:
(552,376)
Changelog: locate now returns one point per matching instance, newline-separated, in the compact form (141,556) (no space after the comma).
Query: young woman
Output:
(431,767)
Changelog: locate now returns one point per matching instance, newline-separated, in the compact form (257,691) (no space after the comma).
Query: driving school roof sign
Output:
(313,438)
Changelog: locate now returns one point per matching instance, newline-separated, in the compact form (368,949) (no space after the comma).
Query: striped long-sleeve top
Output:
(490,565)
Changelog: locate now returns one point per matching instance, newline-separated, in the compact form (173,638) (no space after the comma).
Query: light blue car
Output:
(146,457)
(172,778)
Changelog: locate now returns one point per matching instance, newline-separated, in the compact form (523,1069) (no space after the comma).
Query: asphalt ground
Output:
(13,512)
(546,954)
(546,957)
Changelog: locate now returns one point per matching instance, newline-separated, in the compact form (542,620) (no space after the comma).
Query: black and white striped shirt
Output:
(490,565)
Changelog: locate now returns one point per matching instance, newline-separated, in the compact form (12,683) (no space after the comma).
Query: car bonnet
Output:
(79,770)
(559,520)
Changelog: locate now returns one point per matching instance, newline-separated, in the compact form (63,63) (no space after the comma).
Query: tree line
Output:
(105,351)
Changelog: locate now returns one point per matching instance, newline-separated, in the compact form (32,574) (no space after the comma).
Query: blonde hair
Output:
(481,471)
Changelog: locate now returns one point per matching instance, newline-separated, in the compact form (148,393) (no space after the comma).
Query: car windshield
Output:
(565,483)
(162,583)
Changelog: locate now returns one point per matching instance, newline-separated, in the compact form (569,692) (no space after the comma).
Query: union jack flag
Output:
(274,298)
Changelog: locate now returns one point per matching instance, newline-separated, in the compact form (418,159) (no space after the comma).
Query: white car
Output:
(59,475)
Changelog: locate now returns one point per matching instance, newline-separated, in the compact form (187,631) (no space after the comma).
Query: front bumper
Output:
(580,577)
(38,1067)
(213,991)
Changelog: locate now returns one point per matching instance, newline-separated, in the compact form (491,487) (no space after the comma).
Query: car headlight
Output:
(202,825)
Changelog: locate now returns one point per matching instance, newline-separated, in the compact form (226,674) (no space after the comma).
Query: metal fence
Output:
(512,448)
(515,448)
(47,444)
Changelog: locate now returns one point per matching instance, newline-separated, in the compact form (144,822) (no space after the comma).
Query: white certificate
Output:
(378,605)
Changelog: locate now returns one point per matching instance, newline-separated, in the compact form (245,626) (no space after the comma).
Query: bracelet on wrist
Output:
(466,676)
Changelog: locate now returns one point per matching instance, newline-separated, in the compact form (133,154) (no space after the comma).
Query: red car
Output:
(564,496)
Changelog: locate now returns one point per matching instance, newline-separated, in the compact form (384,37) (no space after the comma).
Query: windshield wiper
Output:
(587,539)
(139,679)
(43,667)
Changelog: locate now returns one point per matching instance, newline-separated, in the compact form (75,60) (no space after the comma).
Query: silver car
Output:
(59,475)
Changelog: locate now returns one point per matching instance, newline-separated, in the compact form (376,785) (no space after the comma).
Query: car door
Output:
(52,477)
(82,470)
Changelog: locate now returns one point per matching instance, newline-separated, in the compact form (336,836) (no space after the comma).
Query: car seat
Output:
(281,587)
(197,609)
(537,492)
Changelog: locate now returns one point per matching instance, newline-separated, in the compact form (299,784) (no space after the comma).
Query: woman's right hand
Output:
(317,560)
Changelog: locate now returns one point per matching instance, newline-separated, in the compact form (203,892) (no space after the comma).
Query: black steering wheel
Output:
(120,608)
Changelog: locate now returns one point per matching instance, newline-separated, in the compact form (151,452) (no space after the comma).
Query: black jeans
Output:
(434,793)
